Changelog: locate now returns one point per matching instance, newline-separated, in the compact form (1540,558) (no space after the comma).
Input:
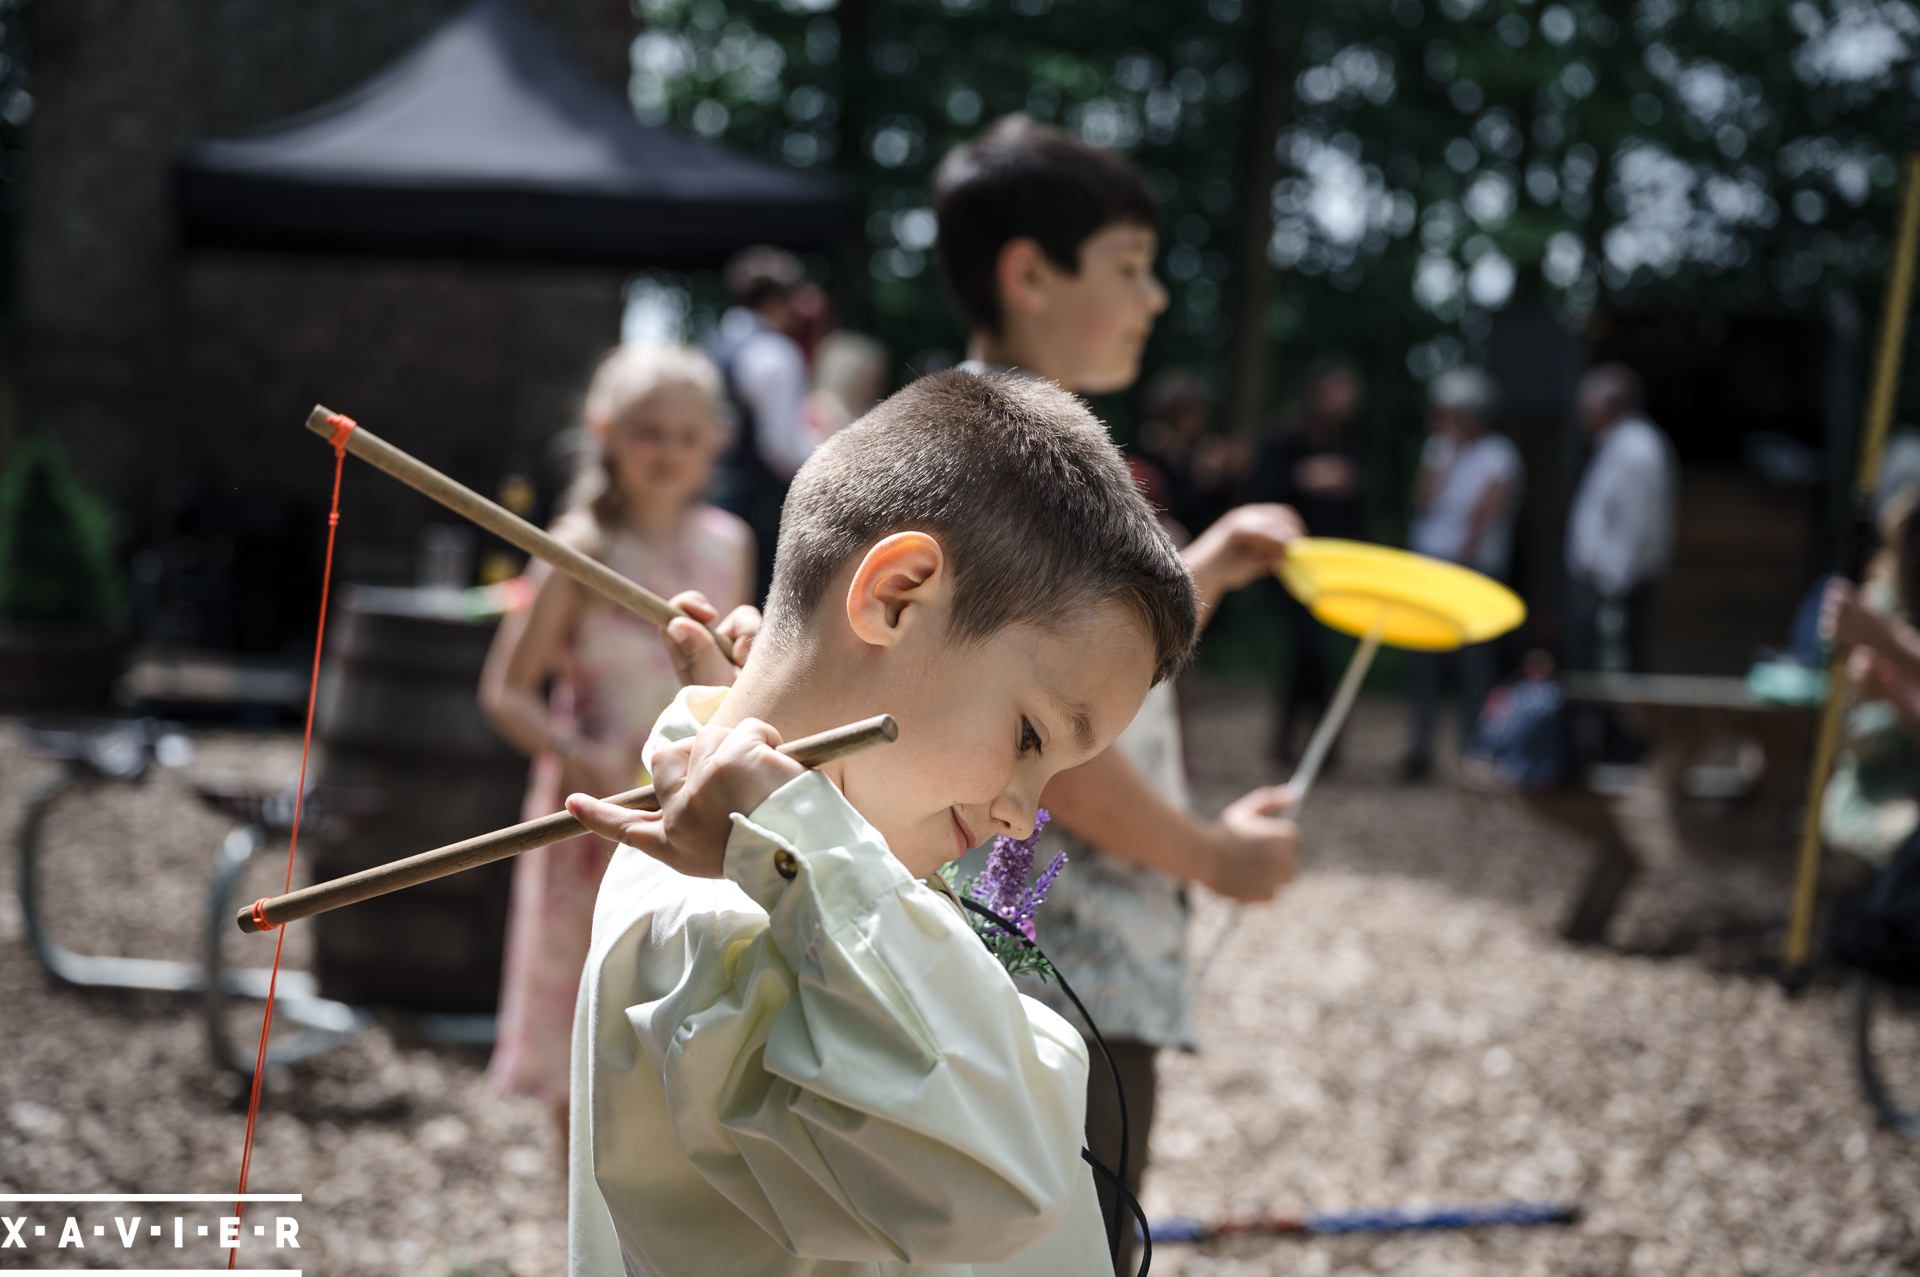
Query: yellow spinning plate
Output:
(1418,602)
(1379,596)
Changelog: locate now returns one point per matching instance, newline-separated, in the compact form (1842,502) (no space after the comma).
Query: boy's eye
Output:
(1029,739)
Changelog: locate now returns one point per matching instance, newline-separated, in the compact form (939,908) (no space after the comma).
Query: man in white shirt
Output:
(1465,499)
(766,378)
(1620,533)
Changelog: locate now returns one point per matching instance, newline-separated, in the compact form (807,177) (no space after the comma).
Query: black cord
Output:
(1118,1178)
(1133,1204)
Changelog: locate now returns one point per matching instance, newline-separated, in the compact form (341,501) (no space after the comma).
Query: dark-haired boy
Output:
(815,1067)
(1049,245)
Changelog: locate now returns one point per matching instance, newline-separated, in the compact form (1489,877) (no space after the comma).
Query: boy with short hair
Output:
(1049,245)
(814,1066)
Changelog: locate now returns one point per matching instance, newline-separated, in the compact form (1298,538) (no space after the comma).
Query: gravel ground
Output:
(1402,1028)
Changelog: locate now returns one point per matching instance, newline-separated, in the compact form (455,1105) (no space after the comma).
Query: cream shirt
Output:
(827,1074)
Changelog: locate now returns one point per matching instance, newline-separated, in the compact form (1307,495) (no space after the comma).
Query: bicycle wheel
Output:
(1886,1052)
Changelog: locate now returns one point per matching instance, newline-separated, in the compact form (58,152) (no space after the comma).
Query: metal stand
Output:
(94,753)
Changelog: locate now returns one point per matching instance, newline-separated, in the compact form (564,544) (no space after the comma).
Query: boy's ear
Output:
(895,582)
(1023,275)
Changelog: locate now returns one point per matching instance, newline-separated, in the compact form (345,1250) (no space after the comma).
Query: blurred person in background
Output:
(849,377)
(1619,543)
(1465,499)
(654,423)
(764,371)
(814,320)
(1314,464)
(1872,800)
(1187,471)
(1870,810)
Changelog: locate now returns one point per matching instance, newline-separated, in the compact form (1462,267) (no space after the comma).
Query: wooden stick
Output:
(1886,378)
(1301,782)
(484,849)
(502,522)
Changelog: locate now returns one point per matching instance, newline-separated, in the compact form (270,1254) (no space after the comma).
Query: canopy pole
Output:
(1886,378)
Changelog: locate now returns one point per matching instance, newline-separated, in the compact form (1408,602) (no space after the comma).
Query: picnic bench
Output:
(1726,772)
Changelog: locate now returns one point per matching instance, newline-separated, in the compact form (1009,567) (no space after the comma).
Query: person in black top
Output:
(764,369)
(1313,464)
(1193,472)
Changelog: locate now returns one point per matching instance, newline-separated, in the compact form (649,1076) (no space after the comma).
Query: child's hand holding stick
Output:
(1257,847)
(699,783)
(695,644)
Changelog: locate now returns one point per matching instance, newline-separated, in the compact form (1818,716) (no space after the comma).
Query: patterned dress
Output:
(617,678)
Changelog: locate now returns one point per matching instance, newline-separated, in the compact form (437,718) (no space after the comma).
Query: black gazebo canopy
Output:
(487,142)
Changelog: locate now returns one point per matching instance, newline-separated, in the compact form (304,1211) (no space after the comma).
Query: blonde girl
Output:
(653,428)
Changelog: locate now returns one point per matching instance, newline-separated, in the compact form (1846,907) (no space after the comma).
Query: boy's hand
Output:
(1255,848)
(1848,620)
(1243,545)
(700,782)
(697,659)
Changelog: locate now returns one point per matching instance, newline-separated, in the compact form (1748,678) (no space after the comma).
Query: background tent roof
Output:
(486,141)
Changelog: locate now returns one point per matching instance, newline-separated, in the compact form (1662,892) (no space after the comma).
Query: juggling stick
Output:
(1304,775)
(499,520)
(410,871)
(1328,730)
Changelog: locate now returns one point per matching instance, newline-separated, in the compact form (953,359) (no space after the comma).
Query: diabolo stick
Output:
(484,849)
(500,521)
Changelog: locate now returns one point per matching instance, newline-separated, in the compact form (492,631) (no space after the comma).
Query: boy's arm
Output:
(1849,621)
(1240,547)
(1249,854)
(863,1080)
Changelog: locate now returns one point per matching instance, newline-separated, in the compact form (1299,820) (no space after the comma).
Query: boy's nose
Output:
(1015,816)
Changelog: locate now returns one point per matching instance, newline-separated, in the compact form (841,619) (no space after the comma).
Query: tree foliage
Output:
(1440,158)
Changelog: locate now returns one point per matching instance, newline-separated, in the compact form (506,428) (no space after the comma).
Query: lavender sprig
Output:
(1037,894)
(1003,887)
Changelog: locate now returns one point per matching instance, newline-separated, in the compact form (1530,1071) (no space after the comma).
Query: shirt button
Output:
(785,864)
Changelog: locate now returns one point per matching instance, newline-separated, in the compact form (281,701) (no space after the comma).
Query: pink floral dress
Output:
(617,679)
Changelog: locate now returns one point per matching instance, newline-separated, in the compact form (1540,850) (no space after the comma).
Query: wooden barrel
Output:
(399,715)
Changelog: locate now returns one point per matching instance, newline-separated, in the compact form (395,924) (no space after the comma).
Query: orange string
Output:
(342,426)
